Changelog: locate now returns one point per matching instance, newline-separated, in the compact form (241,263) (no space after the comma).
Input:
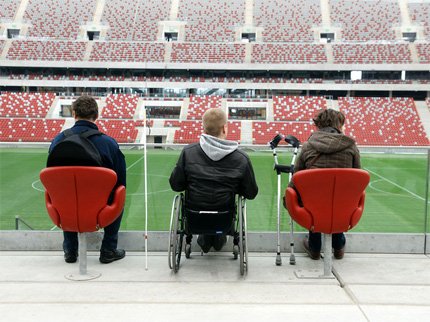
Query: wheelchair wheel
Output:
(187,250)
(243,237)
(176,234)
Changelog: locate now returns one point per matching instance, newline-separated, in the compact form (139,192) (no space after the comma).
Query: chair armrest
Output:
(299,214)
(356,216)
(52,212)
(111,212)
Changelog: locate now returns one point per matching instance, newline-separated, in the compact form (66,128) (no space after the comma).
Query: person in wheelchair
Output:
(212,172)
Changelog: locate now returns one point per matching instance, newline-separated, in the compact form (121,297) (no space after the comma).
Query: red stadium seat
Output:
(333,202)
(76,200)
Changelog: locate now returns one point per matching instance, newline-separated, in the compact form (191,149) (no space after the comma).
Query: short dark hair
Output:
(329,118)
(86,108)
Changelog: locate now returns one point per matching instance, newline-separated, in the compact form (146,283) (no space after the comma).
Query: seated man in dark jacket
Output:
(85,112)
(212,172)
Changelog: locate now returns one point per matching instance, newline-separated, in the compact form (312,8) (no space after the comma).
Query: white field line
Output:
(394,184)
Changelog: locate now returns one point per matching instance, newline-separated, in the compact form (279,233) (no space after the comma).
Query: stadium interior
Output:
(270,64)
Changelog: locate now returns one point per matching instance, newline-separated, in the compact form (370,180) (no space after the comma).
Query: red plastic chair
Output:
(76,199)
(333,202)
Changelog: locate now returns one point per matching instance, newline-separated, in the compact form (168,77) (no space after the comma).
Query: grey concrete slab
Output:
(384,269)
(396,313)
(210,288)
(418,295)
(183,312)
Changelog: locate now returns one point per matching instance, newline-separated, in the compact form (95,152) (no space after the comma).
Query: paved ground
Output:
(210,288)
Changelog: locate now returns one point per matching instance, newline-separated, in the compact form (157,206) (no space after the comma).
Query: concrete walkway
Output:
(210,288)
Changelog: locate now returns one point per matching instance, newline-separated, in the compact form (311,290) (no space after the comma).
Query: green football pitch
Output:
(395,197)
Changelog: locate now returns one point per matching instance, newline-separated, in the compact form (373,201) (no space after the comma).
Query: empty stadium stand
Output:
(287,21)
(383,121)
(199,104)
(420,13)
(211,21)
(366,20)
(207,53)
(50,50)
(124,131)
(64,18)
(25,104)
(127,51)
(131,20)
(8,9)
(371,54)
(297,108)
(120,106)
(29,130)
(289,53)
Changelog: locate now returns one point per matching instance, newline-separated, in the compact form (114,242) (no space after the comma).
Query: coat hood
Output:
(216,148)
(326,141)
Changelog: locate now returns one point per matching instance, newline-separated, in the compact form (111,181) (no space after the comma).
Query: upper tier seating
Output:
(200,103)
(190,131)
(8,9)
(287,21)
(207,53)
(134,20)
(25,104)
(212,21)
(264,132)
(46,50)
(423,51)
(420,15)
(297,108)
(383,121)
(123,131)
(289,53)
(2,42)
(29,130)
(120,106)
(58,19)
(365,20)
(371,54)
(128,51)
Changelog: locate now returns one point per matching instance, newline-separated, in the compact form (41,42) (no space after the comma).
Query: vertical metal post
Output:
(426,202)
(82,238)
(327,255)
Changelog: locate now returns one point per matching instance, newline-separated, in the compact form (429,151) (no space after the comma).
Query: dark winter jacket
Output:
(212,172)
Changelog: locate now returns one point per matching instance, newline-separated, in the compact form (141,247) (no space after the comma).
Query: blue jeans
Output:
(337,242)
(110,237)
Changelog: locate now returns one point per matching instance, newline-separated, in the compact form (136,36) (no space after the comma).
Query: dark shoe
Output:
(338,253)
(71,257)
(312,254)
(108,256)
(219,241)
(205,242)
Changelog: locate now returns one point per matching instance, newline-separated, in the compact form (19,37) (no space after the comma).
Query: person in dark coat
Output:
(212,172)
(328,147)
(85,112)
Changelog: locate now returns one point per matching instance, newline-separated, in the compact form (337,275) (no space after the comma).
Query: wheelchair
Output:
(186,222)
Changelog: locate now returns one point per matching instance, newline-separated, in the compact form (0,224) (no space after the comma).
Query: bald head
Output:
(215,122)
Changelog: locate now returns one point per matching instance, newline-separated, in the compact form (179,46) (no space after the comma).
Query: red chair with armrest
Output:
(333,202)
(76,199)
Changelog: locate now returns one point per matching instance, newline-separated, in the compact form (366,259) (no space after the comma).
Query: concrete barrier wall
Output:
(387,243)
